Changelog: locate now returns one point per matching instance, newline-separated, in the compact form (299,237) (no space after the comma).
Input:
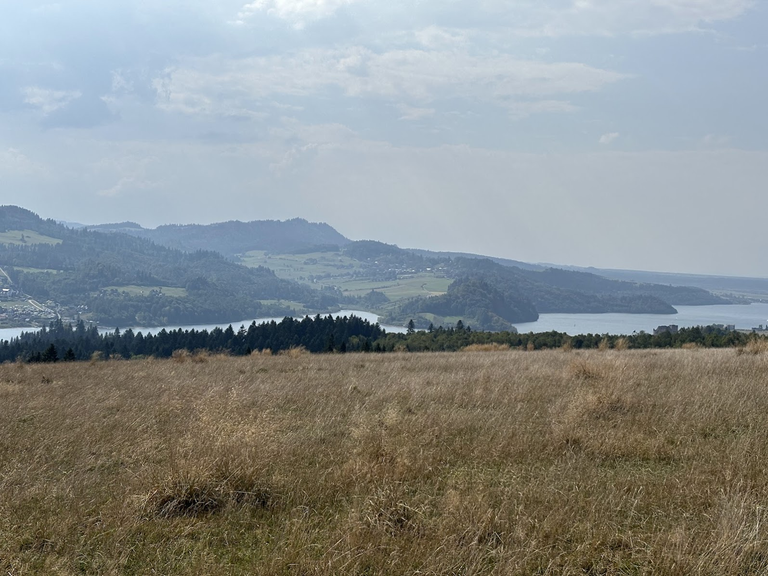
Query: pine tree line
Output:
(64,342)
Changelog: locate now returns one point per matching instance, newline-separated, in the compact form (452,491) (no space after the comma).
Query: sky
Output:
(610,133)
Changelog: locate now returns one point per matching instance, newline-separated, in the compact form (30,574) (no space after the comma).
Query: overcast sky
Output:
(609,133)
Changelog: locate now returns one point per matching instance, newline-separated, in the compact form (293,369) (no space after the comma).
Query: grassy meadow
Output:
(495,462)
(26,237)
(339,270)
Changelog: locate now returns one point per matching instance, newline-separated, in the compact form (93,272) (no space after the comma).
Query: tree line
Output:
(323,334)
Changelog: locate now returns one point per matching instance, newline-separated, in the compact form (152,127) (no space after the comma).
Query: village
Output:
(17,310)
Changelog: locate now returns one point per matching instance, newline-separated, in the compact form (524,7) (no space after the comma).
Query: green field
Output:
(301,266)
(26,237)
(36,270)
(13,303)
(425,284)
(145,290)
(331,268)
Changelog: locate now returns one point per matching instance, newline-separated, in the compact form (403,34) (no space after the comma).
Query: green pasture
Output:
(25,238)
(36,270)
(340,271)
(13,303)
(301,266)
(426,284)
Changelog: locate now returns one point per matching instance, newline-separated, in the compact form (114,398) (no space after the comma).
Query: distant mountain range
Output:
(128,275)
(235,238)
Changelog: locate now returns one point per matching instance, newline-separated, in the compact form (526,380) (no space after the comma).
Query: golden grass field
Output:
(502,462)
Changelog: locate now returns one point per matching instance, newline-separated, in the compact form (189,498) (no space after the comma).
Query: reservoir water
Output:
(743,317)
(8,333)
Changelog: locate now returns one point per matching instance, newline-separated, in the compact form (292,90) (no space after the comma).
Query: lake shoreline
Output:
(744,317)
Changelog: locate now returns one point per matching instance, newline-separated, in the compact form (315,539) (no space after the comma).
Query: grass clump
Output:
(756,346)
(180,356)
(196,494)
(294,352)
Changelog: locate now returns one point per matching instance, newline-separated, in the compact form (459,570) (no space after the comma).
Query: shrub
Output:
(180,356)
(756,346)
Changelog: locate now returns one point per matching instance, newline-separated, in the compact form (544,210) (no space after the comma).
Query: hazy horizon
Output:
(577,132)
(540,263)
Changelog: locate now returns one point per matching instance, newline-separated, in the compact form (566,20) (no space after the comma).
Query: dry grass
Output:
(604,462)
(757,346)
(490,347)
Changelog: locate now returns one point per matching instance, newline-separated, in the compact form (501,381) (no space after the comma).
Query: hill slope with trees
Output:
(123,280)
(123,274)
(234,238)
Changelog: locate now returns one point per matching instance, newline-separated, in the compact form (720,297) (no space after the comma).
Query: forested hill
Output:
(454,255)
(557,290)
(495,296)
(123,280)
(234,238)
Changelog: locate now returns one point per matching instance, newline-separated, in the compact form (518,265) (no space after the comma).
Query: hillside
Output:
(122,280)
(754,289)
(490,295)
(235,238)
(128,275)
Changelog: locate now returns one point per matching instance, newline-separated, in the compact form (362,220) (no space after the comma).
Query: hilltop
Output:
(234,238)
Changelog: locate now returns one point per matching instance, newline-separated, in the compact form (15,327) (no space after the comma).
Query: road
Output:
(38,306)
(6,275)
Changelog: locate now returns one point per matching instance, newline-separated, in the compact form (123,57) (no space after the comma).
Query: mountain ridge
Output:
(307,263)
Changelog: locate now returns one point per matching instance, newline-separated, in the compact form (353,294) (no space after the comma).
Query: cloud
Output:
(217,85)
(84,112)
(49,100)
(523,109)
(126,184)
(438,37)
(13,161)
(294,10)
(609,138)
(413,113)
(609,18)
(132,171)
(715,141)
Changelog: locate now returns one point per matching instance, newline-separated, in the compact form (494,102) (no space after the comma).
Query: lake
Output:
(8,333)
(744,317)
